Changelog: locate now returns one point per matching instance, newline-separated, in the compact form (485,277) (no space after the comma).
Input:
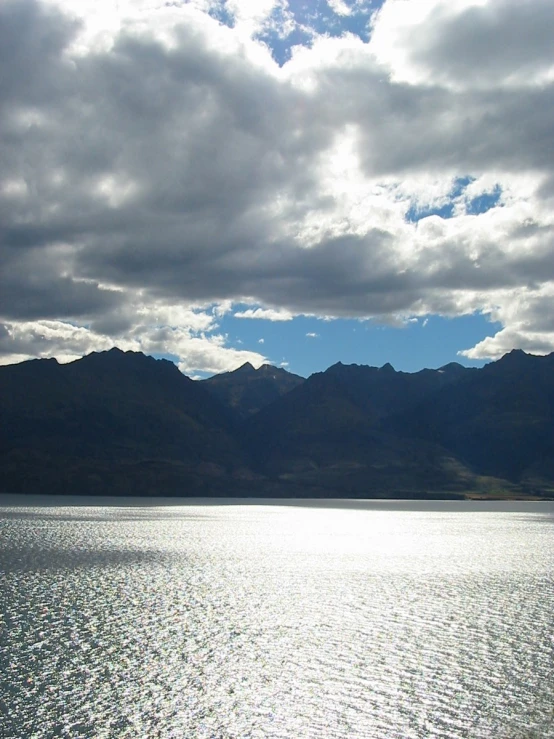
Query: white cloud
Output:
(223,308)
(261,341)
(529,322)
(265,314)
(66,342)
(494,347)
(339,7)
(253,12)
(212,356)
(52,339)
(312,335)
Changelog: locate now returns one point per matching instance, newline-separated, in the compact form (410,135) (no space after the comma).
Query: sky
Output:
(282,181)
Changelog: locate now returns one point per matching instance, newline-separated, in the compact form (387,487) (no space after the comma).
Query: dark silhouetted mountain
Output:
(247,390)
(383,391)
(498,420)
(328,432)
(112,421)
(122,423)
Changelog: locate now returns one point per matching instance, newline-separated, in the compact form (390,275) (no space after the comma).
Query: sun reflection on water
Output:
(276,621)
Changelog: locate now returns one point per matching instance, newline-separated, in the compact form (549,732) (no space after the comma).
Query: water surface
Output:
(346,619)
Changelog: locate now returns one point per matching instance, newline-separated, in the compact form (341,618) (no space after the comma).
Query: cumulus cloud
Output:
(266,314)
(466,44)
(197,351)
(159,167)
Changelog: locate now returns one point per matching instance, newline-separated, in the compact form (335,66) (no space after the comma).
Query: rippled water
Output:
(348,620)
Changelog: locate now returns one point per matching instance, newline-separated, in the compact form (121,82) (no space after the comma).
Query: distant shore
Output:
(25,500)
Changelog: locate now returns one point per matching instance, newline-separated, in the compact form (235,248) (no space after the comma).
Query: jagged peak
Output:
(263,369)
(387,367)
(116,357)
(115,351)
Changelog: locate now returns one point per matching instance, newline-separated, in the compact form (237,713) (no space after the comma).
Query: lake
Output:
(217,620)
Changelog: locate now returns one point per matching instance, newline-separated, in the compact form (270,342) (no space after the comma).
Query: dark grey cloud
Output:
(140,173)
(32,34)
(32,297)
(487,44)
(406,129)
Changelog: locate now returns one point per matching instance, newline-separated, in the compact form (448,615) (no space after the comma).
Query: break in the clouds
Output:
(163,165)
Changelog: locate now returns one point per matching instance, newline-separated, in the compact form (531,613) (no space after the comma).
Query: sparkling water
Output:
(217,620)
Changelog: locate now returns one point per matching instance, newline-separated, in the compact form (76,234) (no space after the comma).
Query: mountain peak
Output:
(387,368)
(115,353)
(246,367)
(117,360)
(247,389)
(514,358)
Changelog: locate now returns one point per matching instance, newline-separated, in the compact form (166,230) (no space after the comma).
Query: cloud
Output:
(339,7)
(496,346)
(252,13)
(466,44)
(529,322)
(312,335)
(198,352)
(160,168)
(261,341)
(212,356)
(266,314)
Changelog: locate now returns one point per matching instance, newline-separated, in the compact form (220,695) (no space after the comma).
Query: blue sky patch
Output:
(312,19)
(480,204)
(311,345)
(415,214)
(484,202)
(222,14)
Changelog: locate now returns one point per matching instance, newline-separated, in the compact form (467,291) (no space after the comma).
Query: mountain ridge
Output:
(124,423)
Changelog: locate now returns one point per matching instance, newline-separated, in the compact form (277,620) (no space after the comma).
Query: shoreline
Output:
(480,502)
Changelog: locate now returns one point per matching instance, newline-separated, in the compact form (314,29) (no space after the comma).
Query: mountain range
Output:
(122,423)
